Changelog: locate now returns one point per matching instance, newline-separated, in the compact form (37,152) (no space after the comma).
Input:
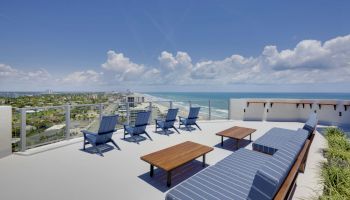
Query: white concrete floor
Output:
(69,173)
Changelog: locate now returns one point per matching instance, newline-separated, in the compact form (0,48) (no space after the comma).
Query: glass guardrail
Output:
(36,126)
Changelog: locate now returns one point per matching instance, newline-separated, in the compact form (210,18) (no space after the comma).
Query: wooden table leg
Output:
(222,141)
(151,171)
(203,164)
(250,137)
(168,183)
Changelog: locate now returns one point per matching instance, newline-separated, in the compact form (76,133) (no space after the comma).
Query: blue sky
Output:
(184,45)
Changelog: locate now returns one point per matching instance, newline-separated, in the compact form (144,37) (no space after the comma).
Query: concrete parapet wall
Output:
(329,112)
(5,130)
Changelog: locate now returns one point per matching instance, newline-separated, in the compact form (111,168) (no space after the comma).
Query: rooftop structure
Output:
(64,173)
(60,167)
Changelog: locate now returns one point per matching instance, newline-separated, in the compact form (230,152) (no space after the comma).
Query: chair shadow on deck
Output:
(135,138)
(104,148)
(188,129)
(178,175)
(167,132)
(231,144)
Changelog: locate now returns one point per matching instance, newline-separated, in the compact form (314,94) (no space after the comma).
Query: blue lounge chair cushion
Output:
(270,177)
(230,178)
(311,123)
(272,140)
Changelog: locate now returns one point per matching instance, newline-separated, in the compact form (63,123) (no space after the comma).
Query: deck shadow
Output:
(135,139)
(230,144)
(189,129)
(161,132)
(104,148)
(180,174)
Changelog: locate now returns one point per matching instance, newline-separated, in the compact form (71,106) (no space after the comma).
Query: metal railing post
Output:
(150,109)
(127,113)
(209,110)
(171,104)
(229,109)
(67,110)
(23,130)
(190,103)
(100,108)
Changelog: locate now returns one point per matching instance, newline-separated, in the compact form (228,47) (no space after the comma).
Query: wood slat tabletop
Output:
(175,156)
(236,132)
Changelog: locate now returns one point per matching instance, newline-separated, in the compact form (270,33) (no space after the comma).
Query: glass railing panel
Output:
(159,110)
(119,109)
(183,107)
(16,130)
(84,117)
(44,125)
(219,109)
(204,109)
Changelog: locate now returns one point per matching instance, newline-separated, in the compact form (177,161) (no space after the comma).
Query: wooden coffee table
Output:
(236,133)
(170,158)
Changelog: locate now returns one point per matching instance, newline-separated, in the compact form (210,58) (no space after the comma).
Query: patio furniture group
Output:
(269,171)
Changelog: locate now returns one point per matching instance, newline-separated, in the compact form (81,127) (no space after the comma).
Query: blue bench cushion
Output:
(230,178)
(276,138)
(272,140)
(311,123)
(270,177)
(299,137)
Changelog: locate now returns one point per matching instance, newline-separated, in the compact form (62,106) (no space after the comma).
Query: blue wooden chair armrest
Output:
(86,132)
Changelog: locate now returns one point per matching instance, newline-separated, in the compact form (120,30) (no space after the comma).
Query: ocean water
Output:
(219,100)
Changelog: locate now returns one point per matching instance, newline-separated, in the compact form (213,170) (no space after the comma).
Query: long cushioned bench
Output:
(248,174)
(276,138)
(244,174)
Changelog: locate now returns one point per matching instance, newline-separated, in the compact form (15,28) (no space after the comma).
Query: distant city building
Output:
(49,91)
(133,99)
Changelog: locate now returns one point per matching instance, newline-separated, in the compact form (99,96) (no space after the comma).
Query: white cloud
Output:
(83,77)
(7,71)
(125,69)
(310,61)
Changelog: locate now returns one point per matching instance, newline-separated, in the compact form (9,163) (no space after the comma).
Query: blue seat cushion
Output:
(311,123)
(299,137)
(230,178)
(272,140)
(276,138)
(270,177)
(91,137)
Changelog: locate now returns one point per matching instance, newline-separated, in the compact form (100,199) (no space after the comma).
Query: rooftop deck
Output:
(70,173)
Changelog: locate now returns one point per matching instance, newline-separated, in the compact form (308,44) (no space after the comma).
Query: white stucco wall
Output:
(5,130)
(289,112)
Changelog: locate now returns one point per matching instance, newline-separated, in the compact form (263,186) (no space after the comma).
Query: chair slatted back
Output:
(192,116)
(141,121)
(108,124)
(170,117)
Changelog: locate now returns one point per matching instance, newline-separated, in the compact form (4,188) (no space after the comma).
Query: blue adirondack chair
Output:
(139,128)
(104,134)
(168,122)
(191,119)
